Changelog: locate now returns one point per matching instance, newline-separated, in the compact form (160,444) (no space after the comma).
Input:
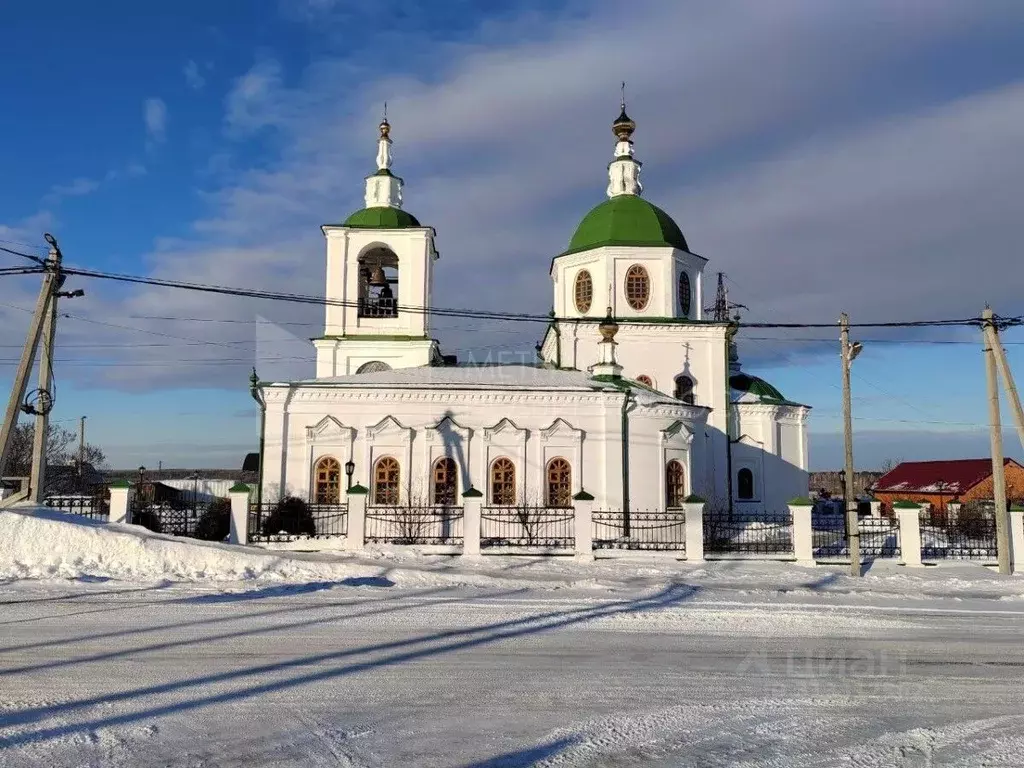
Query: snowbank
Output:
(38,543)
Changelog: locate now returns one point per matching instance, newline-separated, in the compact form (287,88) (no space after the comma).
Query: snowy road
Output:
(359,673)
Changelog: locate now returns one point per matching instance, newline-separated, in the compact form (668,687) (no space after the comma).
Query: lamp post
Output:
(350,469)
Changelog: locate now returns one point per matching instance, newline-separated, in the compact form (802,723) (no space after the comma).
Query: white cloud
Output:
(77,188)
(193,77)
(256,99)
(154,115)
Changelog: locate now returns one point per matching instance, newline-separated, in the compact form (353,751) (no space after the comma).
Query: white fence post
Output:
(472,505)
(239,495)
(355,538)
(1017,537)
(583,525)
(119,502)
(876,508)
(803,534)
(909,515)
(952,512)
(694,506)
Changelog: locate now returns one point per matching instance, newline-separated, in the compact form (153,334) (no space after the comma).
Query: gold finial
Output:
(608,327)
(385,126)
(623,127)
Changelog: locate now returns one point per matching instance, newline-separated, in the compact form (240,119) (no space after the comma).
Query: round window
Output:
(644,379)
(684,294)
(584,291)
(638,287)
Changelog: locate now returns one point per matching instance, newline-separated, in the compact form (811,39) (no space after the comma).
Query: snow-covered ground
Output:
(123,648)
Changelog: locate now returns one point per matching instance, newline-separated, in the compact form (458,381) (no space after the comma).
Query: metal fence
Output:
(177,518)
(414,525)
(770,533)
(969,534)
(270,522)
(543,527)
(659,530)
(879,536)
(94,507)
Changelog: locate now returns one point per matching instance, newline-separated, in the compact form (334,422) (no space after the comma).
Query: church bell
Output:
(377,277)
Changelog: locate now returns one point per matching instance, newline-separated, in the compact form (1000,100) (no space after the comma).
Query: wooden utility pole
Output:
(990,341)
(1008,385)
(28,356)
(848,352)
(44,401)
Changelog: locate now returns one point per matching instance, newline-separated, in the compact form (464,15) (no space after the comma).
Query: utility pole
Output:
(990,341)
(81,452)
(849,352)
(44,399)
(1008,385)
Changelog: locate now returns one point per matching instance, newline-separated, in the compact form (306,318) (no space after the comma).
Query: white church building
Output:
(636,399)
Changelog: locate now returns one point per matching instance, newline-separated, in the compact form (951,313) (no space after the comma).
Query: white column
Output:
(803,536)
(583,523)
(472,504)
(119,502)
(239,495)
(909,518)
(357,495)
(1017,537)
(876,508)
(694,531)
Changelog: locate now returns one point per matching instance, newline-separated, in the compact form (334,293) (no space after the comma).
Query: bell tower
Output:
(379,275)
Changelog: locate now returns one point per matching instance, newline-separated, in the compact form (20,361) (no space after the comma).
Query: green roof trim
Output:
(693,498)
(121,484)
(583,496)
(756,386)
(381,218)
(1016,508)
(472,493)
(358,490)
(906,505)
(239,488)
(626,220)
(800,501)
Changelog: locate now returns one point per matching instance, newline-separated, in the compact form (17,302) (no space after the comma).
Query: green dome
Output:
(755,386)
(381,218)
(626,220)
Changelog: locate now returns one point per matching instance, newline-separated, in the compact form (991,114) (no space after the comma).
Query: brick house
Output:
(941,482)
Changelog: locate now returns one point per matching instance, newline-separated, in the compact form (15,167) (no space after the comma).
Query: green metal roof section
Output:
(626,220)
(755,386)
(381,218)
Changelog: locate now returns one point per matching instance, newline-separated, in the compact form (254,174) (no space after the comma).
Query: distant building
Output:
(940,482)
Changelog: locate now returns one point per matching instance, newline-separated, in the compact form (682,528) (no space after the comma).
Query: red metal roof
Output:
(947,477)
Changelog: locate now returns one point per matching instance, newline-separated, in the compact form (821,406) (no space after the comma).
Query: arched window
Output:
(745,484)
(503,482)
(559,489)
(583,291)
(684,294)
(374,366)
(378,283)
(445,482)
(684,389)
(644,379)
(327,481)
(386,477)
(638,287)
(675,484)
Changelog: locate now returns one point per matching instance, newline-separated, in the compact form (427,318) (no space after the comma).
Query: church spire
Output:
(624,170)
(383,188)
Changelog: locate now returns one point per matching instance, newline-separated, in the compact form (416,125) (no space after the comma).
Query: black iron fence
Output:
(544,527)
(188,515)
(879,536)
(965,534)
(291,520)
(658,530)
(769,533)
(414,525)
(95,507)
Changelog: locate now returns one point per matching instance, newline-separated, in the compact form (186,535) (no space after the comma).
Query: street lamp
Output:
(350,468)
(142,477)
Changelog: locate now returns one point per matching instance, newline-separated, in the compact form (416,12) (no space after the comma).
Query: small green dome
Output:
(626,220)
(745,383)
(382,218)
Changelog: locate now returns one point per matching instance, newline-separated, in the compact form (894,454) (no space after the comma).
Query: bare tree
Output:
(61,449)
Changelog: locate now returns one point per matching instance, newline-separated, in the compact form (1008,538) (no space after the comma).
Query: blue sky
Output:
(826,156)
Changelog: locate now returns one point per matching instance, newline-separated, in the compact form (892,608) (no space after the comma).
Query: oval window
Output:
(684,294)
(644,379)
(584,291)
(638,287)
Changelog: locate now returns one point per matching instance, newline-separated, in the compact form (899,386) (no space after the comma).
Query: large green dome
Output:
(381,218)
(626,220)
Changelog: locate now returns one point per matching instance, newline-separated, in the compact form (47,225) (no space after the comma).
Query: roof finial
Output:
(385,126)
(622,99)
(623,127)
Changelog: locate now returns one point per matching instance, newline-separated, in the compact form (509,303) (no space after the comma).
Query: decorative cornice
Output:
(329,427)
(389,424)
(505,425)
(678,429)
(434,433)
(314,392)
(560,427)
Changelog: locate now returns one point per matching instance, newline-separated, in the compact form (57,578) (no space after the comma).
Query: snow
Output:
(124,648)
